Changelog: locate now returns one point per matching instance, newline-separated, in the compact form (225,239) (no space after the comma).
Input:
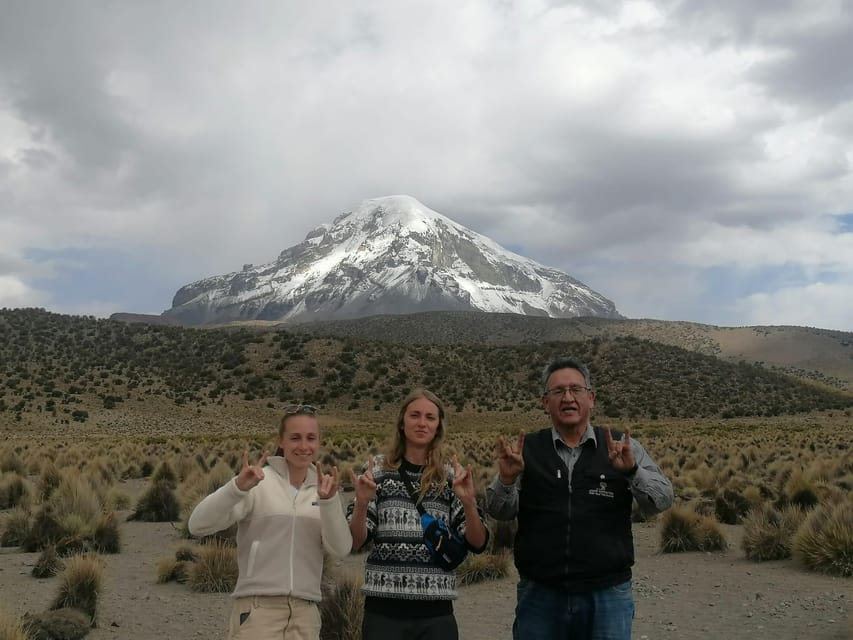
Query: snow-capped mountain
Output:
(389,255)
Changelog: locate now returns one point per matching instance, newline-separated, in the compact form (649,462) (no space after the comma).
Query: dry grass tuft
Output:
(48,564)
(484,567)
(215,570)
(11,628)
(44,531)
(682,529)
(80,586)
(15,491)
(824,542)
(157,504)
(731,506)
(16,528)
(502,534)
(59,624)
(172,569)
(106,536)
(767,532)
(342,608)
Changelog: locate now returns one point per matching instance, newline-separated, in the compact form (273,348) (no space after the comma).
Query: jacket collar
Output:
(279,464)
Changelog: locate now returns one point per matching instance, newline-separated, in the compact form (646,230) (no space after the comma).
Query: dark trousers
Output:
(379,627)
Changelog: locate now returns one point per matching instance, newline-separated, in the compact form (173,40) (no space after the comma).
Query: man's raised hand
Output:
(510,459)
(251,475)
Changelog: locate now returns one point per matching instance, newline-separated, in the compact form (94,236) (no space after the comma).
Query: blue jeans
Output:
(543,613)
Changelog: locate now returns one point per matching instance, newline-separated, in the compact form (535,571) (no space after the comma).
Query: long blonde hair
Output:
(434,474)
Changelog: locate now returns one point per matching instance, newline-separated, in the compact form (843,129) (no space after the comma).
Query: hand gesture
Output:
(510,460)
(365,487)
(327,485)
(463,482)
(620,452)
(251,475)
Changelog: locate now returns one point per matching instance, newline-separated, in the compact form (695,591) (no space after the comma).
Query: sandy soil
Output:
(694,595)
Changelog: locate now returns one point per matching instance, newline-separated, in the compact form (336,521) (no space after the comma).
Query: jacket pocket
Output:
(253,554)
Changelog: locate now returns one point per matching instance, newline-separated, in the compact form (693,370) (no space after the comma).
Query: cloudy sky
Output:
(688,160)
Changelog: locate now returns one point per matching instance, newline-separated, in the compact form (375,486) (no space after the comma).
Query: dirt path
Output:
(695,595)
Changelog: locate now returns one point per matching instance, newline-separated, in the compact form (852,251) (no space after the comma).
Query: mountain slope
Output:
(60,370)
(819,355)
(390,255)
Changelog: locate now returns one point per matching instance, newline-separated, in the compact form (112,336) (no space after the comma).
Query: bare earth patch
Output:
(692,595)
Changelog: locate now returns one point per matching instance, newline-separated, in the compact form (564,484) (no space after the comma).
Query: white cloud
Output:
(825,305)
(16,293)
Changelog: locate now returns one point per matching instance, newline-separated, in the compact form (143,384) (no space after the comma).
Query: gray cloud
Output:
(598,137)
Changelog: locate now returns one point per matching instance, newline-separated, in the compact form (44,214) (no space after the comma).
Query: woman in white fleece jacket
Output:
(288,512)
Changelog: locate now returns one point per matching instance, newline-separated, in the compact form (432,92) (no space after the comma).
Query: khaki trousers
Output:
(274,618)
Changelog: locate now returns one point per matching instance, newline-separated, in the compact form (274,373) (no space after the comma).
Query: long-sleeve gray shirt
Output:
(650,488)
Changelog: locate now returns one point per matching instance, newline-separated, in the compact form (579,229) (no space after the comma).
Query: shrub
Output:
(215,570)
(503,534)
(10,461)
(169,569)
(16,528)
(483,567)
(824,542)
(11,628)
(157,504)
(799,491)
(118,499)
(75,495)
(80,586)
(106,536)
(767,532)
(165,473)
(685,530)
(342,608)
(44,531)
(59,624)
(48,480)
(14,491)
(730,506)
(48,564)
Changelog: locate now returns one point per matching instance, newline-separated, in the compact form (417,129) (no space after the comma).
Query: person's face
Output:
(420,422)
(300,440)
(568,410)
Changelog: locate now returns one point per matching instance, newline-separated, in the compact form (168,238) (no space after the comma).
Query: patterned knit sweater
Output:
(399,565)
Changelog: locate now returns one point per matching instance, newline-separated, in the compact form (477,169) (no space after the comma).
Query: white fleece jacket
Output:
(280,538)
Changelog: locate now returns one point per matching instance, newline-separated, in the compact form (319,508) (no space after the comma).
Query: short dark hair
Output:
(563,362)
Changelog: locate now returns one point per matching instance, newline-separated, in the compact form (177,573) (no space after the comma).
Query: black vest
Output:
(576,539)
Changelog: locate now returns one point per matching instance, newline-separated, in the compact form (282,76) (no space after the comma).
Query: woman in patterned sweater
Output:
(406,595)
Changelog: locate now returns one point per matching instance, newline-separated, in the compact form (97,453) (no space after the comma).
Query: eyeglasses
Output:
(575,390)
(300,410)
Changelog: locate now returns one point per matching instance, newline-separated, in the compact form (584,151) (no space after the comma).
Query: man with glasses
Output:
(571,486)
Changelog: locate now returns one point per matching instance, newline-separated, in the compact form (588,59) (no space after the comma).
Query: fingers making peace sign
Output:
(510,459)
(620,452)
(327,485)
(251,475)
(365,486)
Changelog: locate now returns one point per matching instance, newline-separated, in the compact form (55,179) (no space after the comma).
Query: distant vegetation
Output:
(63,369)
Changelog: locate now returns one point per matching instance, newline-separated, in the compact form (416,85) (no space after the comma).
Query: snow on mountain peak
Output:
(388,255)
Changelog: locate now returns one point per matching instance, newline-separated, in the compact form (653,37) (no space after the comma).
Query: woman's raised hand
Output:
(251,475)
(327,485)
(365,487)
(463,481)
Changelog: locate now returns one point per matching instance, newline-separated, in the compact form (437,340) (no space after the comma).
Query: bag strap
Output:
(411,489)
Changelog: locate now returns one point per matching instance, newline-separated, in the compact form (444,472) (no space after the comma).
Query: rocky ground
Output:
(693,595)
